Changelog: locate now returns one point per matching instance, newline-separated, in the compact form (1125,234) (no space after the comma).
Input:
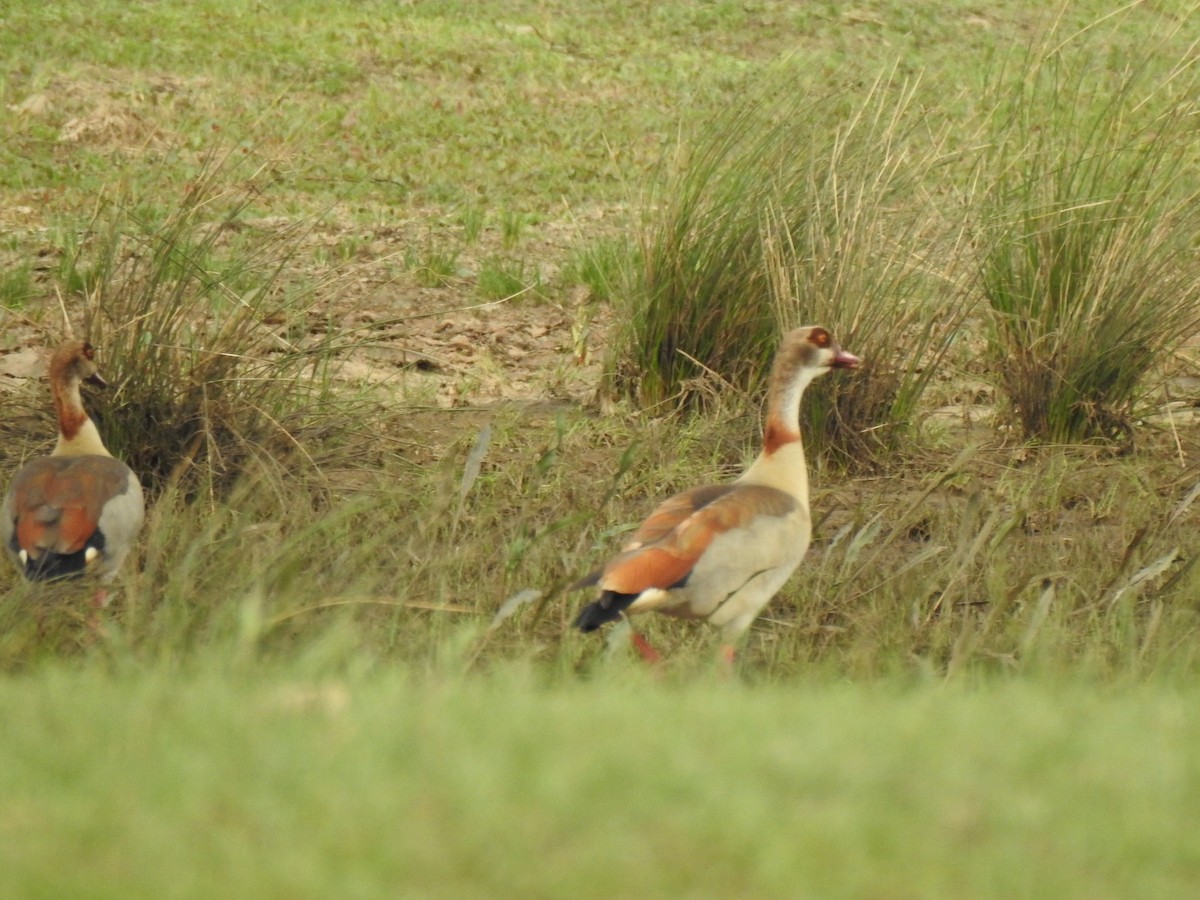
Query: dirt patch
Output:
(111,108)
(502,351)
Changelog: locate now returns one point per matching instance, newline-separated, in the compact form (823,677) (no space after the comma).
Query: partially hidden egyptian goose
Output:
(721,552)
(77,511)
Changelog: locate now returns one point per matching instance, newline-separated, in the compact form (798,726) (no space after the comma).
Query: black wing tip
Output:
(55,566)
(609,608)
(595,614)
(592,617)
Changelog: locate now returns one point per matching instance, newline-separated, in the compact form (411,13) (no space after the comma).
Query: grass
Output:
(376,783)
(834,209)
(472,219)
(499,278)
(199,328)
(16,287)
(1088,231)
(602,266)
(780,214)
(978,685)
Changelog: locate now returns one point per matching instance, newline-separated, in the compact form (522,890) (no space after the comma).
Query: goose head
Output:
(75,361)
(807,353)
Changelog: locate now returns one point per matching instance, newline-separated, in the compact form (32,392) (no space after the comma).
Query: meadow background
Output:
(413,309)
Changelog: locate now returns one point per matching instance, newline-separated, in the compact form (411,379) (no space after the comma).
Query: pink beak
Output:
(844,360)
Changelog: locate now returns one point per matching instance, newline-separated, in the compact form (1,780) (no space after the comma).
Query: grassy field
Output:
(271,785)
(360,273)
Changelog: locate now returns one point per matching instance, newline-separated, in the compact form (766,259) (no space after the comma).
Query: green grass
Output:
(797,209)
(602,266)
(499,278)
(979,683)
(16,287)
(1088,228)
(435,264)
(514,105)
(387,783)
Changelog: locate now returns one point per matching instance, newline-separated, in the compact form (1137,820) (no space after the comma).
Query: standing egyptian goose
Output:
(721,552)
(77,511)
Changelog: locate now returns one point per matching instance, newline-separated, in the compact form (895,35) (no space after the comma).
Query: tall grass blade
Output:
(1040,612)
(472,468)
(1146,573)
(515,602)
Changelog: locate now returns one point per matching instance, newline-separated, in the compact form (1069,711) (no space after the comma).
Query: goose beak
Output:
(96,380)
(844,360)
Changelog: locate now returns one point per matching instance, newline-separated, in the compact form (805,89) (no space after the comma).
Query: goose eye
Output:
(820,337)
(89,351)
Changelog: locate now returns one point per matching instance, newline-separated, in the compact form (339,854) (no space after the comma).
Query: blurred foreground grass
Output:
(143,784)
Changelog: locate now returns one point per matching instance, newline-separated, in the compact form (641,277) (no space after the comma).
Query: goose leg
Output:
(648,653)
(726,656)
(98,602)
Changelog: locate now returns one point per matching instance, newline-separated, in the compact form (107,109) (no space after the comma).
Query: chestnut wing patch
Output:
(57,501)
(663,551)
(672,511)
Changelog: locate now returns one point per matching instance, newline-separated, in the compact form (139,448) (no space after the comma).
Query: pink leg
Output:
(725,660)
(98,602)
(649,654)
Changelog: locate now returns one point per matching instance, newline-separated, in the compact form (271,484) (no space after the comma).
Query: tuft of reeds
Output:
(1086,250)
(795,210)
(217,347)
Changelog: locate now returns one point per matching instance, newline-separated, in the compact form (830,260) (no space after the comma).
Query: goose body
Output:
(721,552)
(78,510)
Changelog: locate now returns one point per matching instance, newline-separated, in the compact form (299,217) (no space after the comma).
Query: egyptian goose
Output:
(77,511)
(721,552)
